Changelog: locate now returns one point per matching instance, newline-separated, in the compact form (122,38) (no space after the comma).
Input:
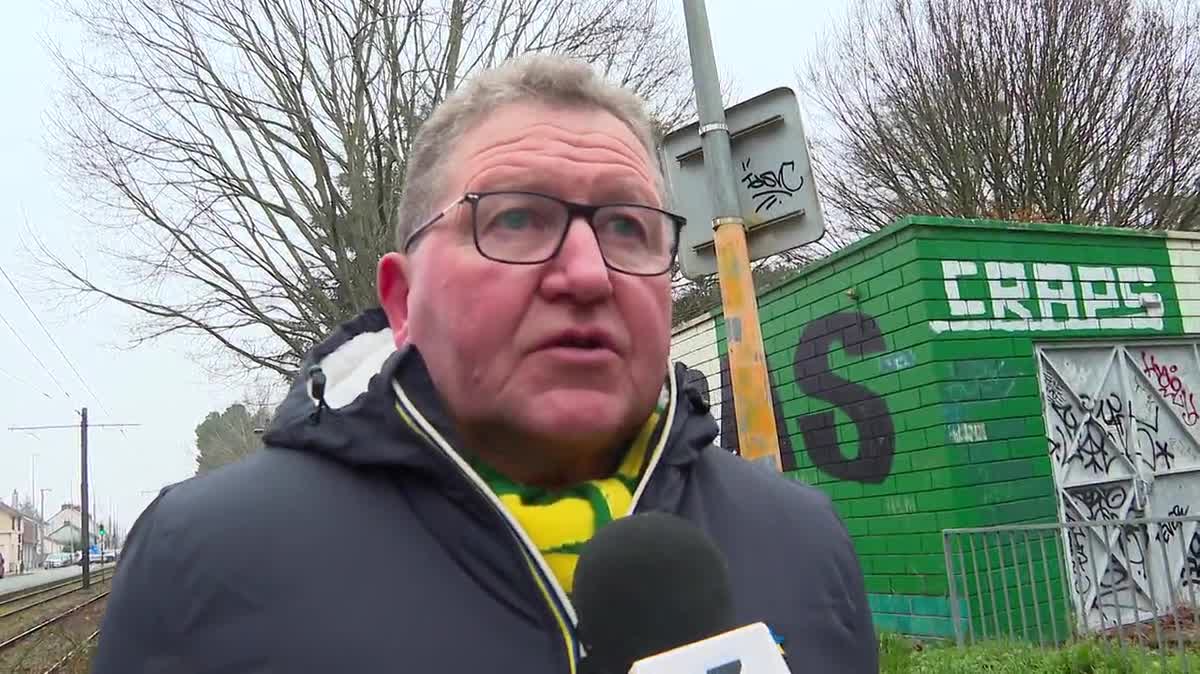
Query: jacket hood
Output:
(343,404)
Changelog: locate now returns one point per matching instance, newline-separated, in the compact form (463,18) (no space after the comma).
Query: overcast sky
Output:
(758,44)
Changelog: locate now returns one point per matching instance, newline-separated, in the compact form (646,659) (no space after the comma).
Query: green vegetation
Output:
(902,656)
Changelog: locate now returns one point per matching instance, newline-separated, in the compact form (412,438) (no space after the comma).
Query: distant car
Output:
(108,556)
(56,560)
(93,558)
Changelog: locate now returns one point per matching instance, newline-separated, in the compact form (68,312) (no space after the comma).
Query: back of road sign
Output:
(776,193)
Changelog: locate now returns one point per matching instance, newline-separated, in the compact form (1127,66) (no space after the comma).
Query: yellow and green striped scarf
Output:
(560,522)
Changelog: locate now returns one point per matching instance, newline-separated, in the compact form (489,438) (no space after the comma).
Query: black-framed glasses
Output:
(530,228)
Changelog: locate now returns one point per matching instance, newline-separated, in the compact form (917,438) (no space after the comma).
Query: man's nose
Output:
(582,263)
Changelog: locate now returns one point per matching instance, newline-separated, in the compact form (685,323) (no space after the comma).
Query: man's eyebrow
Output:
(518,184)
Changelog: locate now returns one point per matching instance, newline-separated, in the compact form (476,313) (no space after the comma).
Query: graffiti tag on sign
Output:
(859,335)
(1022,296)
(768,188)
(1171,387)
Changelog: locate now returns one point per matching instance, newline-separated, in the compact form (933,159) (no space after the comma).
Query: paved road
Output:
(14,583)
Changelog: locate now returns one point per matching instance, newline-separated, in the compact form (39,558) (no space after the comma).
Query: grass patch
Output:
(899,655)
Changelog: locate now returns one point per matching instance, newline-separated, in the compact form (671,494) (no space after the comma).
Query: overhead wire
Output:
(24,383)
(54,342)
(35,356)
(49,336)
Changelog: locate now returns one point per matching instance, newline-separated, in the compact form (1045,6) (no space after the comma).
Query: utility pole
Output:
(32,476)
(83,427)
(32,501)
(42,525)
(86,558)
(758,438)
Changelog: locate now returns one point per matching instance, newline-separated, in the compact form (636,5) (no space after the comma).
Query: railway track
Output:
(19,638)
(46,629)
(23,600)
(58,666)
(44,623)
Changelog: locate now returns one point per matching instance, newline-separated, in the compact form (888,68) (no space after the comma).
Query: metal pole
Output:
(42,526)
(758,438)
(947,542)
(33,563)
(83,503)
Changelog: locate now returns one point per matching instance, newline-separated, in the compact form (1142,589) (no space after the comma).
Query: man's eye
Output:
(627,227)
(514,219)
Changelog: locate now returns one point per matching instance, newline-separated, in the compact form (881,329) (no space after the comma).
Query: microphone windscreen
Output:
(645,584)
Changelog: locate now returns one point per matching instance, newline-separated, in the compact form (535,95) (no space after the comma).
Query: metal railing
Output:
(1130,581)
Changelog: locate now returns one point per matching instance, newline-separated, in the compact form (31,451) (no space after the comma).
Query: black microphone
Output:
(646,584)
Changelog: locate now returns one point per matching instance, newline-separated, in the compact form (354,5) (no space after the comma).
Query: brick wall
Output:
(906,387)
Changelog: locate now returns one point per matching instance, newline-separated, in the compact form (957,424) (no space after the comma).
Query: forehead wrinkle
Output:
(572,151)
(571,141)
(560,133)
(573,154)
(519,169)
(521,149)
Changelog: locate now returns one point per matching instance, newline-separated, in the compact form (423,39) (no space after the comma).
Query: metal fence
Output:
(1130,581)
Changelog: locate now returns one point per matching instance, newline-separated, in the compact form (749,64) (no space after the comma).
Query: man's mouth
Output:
(578,343)
(580,339)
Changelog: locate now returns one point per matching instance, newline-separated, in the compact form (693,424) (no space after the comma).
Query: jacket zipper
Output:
(552,591)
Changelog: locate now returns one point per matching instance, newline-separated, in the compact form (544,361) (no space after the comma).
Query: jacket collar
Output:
(355,419)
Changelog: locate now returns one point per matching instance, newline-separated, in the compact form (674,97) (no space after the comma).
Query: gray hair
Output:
(534,77)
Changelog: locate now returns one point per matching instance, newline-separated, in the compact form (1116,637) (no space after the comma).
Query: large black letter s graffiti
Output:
(860,335)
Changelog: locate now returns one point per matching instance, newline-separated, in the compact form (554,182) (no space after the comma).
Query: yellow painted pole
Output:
(758,438)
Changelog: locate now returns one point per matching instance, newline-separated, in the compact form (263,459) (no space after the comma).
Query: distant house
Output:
(31,532)
(19,535)
(64,527)
(12,524)
(71,513)
(63,539)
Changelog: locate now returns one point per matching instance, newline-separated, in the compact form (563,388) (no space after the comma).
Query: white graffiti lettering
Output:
(1038,296)
(974,432)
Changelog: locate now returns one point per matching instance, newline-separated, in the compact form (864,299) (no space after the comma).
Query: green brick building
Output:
(937,375)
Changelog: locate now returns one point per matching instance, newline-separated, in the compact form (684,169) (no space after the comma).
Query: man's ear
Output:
(392,280)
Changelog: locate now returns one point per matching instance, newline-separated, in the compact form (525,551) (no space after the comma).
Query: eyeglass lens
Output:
(528,228)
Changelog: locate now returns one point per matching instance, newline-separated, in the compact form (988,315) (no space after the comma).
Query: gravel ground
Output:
(80,662)
(42,650)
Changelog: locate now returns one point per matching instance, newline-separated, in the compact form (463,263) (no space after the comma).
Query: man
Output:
(431,477)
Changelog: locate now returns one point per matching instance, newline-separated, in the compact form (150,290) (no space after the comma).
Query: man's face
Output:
(492,333)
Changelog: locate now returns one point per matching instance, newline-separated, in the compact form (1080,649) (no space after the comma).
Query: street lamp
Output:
(42,525)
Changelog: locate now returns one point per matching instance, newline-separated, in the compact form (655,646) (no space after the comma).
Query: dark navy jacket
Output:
(358,541)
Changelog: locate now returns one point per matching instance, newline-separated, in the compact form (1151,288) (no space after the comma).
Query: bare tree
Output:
(247,155)
(1084,111)
(693,297)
